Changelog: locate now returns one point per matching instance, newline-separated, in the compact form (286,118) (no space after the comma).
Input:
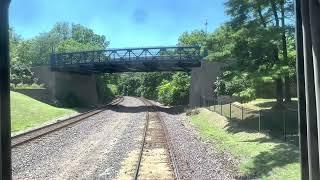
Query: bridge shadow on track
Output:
(138,109)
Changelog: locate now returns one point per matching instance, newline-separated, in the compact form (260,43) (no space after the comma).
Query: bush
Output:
(176,91)
(246,95)
(165,92)
(21,74)
(113,89)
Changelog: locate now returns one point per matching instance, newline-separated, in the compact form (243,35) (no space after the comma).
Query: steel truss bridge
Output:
(128,60)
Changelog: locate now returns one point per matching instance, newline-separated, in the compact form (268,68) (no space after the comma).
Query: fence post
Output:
(230,110)
(221,109)
(242,113)
(259,120)
(284,124)
(214,105)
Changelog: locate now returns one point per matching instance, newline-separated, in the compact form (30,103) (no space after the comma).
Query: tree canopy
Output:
(63,37)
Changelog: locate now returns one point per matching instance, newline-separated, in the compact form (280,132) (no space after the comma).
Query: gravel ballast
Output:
(91,149)
(106,146)
(196,158)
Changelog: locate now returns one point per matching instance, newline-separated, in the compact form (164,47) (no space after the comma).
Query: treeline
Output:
(63,37)
(168,88)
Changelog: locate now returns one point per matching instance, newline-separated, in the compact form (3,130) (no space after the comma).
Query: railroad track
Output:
(47,129)
(156,159)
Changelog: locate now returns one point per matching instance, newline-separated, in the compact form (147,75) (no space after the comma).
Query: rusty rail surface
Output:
(162,140)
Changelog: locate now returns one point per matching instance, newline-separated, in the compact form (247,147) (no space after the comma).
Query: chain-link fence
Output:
(281,123)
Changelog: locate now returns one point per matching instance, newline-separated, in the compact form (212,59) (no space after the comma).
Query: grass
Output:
(259,155)
(27,112)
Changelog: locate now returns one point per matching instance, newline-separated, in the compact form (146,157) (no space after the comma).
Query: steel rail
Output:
(168,144)
(28,136)
(136,174)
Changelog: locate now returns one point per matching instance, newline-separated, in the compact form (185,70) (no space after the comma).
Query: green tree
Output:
(63,37)
(220,44)
(257,39)
(85,35)
(20,66)
(194,38)
(71,45)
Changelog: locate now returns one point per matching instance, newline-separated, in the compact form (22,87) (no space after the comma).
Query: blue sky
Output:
(125,23)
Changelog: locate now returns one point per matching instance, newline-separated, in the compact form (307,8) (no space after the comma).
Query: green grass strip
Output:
(260,156)
(27,112)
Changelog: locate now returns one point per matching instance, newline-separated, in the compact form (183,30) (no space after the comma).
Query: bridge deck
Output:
(128,60)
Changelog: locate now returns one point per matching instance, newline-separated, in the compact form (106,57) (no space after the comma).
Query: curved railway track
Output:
(28,136)
(156,159)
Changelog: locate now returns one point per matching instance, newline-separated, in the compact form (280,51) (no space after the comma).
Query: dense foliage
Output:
(63,37)
(168,88)
(19,69)
(175,91)
(261,45)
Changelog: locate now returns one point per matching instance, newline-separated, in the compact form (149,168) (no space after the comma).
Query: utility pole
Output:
(206,25)
(206,36)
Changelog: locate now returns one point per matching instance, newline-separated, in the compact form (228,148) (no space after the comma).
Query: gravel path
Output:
(196,158)
(92,149)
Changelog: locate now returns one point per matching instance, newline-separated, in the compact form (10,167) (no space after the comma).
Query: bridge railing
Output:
(132,54)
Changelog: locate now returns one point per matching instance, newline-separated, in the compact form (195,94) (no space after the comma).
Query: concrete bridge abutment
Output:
(63,85)
(202,79)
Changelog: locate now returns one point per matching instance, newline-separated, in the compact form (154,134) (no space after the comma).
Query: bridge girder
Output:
(128,60)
